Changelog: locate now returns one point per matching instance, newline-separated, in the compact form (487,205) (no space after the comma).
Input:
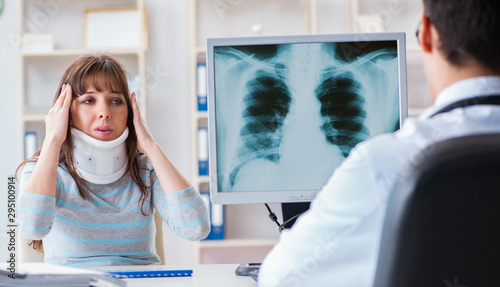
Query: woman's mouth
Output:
(103,130)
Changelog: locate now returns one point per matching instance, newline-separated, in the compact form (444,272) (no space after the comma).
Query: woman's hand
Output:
(145,140)
(43,180)
(56,121)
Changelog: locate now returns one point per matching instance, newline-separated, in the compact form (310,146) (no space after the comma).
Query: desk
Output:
(204,275)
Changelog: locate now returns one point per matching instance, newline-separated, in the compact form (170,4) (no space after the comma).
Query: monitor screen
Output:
(283,112)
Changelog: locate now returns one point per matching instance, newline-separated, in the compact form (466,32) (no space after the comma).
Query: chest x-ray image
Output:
(288,114)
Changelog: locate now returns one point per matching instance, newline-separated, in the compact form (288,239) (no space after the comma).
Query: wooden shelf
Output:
(34,118)
(200,50)
(220,246)
(415,112)
(241,242)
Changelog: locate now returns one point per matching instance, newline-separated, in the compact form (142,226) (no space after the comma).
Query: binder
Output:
(202,150)
(30,144)
(216,217)
(201,86)
(217,223)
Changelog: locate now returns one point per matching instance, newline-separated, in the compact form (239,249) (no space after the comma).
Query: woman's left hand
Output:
(145,140)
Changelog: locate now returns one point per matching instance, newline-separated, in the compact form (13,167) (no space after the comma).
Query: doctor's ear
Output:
(428,37)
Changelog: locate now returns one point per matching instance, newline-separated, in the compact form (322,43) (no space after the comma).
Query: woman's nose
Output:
(104,112)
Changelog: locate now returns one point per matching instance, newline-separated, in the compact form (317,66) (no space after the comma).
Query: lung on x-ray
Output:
(288,114)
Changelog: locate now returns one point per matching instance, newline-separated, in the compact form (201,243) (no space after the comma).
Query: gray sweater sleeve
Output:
(184,211)
(35,212)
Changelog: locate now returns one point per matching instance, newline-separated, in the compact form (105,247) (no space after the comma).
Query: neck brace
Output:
(99,162)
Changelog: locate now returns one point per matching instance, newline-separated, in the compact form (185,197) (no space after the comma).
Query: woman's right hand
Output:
(56,121)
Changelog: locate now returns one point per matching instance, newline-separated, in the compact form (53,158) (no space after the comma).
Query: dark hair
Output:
(103,73)
(468,29)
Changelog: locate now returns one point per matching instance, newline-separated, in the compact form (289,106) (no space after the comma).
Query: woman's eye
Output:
(87,101)
(116,101)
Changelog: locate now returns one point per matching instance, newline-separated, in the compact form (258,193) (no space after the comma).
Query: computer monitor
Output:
(284,111)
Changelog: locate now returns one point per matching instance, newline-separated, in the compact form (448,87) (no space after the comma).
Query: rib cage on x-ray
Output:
(267,92)
(342,107)
(266,107)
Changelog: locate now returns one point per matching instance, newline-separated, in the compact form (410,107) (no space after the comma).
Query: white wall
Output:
(168,97)
(9,111)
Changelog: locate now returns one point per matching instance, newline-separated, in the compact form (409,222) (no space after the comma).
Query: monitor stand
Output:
(291,212)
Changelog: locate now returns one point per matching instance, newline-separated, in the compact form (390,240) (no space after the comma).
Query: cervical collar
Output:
(99,162)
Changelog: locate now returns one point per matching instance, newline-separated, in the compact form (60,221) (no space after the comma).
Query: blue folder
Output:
(151,273)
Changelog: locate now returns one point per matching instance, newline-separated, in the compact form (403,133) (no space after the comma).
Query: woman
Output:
(87,192)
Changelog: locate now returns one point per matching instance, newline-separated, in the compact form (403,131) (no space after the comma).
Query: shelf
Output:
(415,112)
(33,117)
(78,52)
(200,50)
(243,242)
(232,250)
(203,178)
(201,114)
(34,114)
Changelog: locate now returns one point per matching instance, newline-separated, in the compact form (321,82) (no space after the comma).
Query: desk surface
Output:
(204,275)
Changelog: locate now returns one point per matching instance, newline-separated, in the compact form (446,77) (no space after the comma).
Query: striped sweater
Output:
(107,227)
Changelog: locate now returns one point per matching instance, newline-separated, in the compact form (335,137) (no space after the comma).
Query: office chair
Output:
(442,221)
(160,248)
(26,253)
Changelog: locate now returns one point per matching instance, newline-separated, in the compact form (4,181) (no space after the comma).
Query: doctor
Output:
(336,242)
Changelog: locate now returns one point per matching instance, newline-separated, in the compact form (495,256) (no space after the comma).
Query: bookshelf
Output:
(231,19)
(224,18)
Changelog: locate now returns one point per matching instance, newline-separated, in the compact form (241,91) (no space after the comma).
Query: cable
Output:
(274,218)
(272,215)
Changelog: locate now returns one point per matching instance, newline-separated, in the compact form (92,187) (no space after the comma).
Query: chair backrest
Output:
(27,253)
(160,249)
(441,223)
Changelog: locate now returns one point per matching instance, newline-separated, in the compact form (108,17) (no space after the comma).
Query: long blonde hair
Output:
(104,73)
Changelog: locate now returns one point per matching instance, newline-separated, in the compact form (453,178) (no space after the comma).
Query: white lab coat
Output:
(336,242)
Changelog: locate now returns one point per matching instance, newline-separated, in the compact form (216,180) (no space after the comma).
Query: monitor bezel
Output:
(250,197)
